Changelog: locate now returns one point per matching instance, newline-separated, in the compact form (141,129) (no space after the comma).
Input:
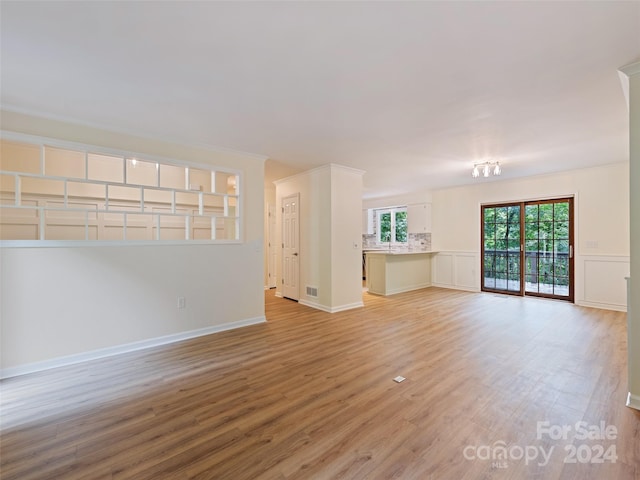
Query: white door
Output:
(290,247)
(272,251)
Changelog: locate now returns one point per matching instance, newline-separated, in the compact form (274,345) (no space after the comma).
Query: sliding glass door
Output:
(527,248)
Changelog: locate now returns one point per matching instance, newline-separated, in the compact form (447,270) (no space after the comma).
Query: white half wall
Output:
(66,302)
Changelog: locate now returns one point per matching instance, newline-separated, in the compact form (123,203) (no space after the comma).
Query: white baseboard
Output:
(581,303)
(128,347)
(633,401)
(456,287)
(603,306)
(408,288)
(324,308)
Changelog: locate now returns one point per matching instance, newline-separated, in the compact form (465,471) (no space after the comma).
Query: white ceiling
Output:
(412,93)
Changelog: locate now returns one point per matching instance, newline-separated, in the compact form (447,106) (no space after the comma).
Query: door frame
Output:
(571,257)
(495,290)
(272,251)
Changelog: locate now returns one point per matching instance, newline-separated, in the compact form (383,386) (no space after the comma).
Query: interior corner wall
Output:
(329,219)
(63,303)
(315,232)
(634,287)
(601,229)
(346,238)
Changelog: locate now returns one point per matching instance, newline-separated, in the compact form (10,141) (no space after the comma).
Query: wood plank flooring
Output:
(310,395)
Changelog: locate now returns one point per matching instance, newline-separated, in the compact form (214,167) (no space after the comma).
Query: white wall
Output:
(346,237)
(315,231)
(601,216)
(330,216)
(634,288)
(63,304)
(414,198)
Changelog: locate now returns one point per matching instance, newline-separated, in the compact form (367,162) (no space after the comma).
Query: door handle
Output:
(570,251)
(296,254)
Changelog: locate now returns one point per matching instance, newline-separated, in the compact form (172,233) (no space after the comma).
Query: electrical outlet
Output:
(182,302)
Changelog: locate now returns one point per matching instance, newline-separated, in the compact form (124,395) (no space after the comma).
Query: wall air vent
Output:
(312,291)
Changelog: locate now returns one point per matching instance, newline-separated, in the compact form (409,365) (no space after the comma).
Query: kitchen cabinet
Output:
(367,221)
(419,218)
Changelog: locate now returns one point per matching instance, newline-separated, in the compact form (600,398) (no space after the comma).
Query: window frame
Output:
(392,211)
(42,142)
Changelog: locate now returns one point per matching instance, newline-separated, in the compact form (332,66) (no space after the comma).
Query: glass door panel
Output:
(501,248)
(548,236)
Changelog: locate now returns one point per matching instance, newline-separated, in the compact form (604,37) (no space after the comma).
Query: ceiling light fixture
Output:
(486,168)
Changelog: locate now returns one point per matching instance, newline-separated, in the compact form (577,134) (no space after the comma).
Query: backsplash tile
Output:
(417,242)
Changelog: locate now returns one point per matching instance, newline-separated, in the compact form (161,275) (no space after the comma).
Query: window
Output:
(59,191)
(392,225)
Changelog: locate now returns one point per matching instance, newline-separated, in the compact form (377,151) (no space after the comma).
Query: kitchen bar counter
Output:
(396,271)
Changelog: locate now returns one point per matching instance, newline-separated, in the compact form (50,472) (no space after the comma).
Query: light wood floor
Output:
(310,395)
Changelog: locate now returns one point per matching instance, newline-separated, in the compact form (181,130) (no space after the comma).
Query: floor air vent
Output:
(312,291)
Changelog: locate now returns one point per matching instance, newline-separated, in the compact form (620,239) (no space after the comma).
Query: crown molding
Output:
(631,69)
(326,166)
(625,73)
(355,171)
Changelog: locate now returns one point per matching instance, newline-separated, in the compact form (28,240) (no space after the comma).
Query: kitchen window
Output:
(392,225)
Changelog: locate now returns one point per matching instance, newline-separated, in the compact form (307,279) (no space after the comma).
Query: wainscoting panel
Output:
(603,281)
(457,270)
(599,279)
(443,270)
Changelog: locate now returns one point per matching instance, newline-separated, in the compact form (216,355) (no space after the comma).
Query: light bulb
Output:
(497,170)
(475,173)
(486,170)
